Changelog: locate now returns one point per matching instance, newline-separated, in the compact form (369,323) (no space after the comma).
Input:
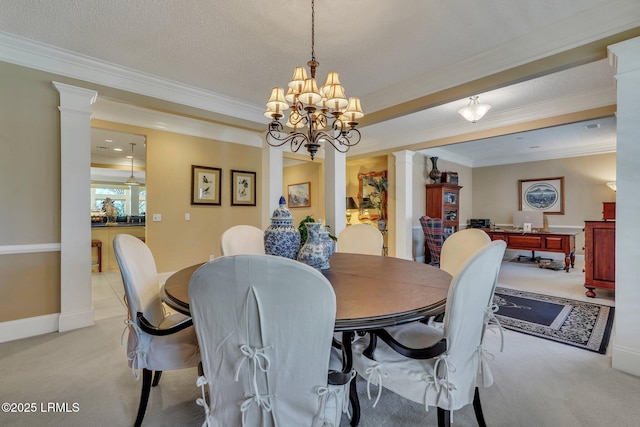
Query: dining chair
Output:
(459,246)
(265,326)
(360,239)
(156,342)
(434,236)
(242,239)
(440,366)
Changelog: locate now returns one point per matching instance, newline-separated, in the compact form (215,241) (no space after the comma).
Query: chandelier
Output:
(317,115)
(474,111)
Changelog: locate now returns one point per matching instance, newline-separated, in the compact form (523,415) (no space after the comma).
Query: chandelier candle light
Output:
(312,109)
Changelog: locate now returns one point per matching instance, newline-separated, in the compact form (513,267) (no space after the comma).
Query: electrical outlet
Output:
(157,217)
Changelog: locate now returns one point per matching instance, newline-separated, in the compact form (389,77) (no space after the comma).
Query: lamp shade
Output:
(351,203)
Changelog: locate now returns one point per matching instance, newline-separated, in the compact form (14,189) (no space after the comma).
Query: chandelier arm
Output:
(277,139)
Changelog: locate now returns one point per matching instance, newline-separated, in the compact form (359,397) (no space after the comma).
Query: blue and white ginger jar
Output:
(281,237)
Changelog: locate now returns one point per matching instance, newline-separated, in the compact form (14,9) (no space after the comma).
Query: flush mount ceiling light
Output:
(612,185)
(132,179)
(312,109)
(474,111)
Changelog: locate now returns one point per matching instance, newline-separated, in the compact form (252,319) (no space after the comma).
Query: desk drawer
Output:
(525,242)
(555,243)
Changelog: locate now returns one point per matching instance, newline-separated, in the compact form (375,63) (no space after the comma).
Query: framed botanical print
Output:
(243,188)
(205,185)
(542,194)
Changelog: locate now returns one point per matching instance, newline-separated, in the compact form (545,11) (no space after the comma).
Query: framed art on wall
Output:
(205,185)
(299,195)
(542,194)
(243,188)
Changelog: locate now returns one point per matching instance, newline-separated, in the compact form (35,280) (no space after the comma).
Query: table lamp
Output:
(351,204)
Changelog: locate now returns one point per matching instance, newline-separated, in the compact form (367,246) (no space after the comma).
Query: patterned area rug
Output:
(576,323)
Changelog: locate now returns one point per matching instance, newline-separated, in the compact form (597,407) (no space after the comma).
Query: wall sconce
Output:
(351,204)
(612,185)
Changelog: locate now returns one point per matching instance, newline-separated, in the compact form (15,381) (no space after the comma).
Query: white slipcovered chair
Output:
(459,246)
(360,239)
(157,342)
(440,365)
(265,326)
(242,239)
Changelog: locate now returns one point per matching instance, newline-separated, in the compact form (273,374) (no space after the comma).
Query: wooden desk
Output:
(545,241)
(372,292)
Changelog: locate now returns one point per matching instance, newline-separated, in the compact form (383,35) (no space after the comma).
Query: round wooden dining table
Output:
(371,291)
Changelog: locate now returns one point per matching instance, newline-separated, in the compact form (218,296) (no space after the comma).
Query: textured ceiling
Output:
(389,54)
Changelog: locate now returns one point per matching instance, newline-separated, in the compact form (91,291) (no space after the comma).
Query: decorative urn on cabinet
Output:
(281,237)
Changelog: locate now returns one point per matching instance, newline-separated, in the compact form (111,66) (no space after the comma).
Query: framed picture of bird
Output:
(243,188)
(205,185)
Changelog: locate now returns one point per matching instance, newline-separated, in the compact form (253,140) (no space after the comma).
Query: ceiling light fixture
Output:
(132,179)
(612,185)
(474,111)
(312,109)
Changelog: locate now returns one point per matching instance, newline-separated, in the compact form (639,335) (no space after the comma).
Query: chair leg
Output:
(477,408)
(355,403)
(144,396)
(156,378)
(444,418)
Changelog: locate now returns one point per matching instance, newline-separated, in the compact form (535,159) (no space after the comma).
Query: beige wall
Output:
(174,241)
(30,194)
(313,173)
(495,193)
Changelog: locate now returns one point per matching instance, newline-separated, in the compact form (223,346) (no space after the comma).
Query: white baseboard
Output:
(625,360)
(77,320)
(29,327)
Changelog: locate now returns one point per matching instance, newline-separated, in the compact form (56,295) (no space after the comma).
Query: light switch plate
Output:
(157,217)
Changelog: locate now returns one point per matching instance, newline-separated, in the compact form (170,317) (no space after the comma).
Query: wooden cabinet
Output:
(443,201)
(106,235)
(599,256)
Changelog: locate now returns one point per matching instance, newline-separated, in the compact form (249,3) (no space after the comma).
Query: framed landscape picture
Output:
(542,194)
(299,195)
(205,185)
(243,188)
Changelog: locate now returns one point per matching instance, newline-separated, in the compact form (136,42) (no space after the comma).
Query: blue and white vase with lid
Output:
(314,252)
(282,238)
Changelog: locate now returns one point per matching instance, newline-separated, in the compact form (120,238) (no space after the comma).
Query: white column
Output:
(134,191)
(75,194)
(335,181)
(404,204)
(625,57)
(272,169)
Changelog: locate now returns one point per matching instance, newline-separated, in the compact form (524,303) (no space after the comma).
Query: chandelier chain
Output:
(313,31)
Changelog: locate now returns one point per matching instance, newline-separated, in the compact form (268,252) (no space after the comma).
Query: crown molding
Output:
(117,112)
(54,60)
(595,24)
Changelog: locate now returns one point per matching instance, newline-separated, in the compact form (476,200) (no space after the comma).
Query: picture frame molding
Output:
(305,188)
(557,183)
(197,186)
(237,199)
